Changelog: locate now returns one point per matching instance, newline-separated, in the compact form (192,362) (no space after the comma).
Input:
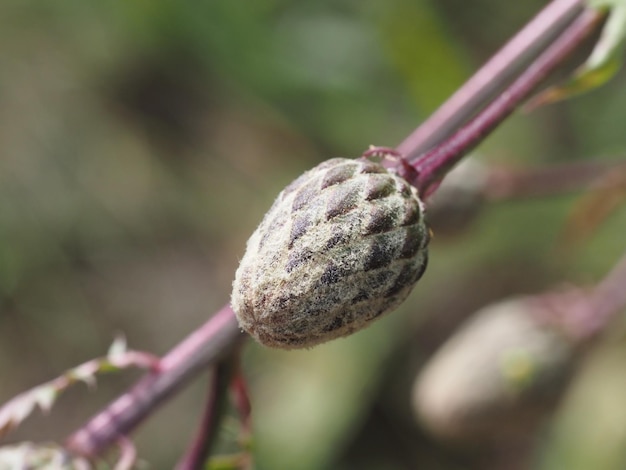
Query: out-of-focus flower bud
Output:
(342,245)
(499,375)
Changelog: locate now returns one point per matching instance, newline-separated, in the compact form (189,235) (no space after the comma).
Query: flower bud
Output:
(341,246)
(498,376)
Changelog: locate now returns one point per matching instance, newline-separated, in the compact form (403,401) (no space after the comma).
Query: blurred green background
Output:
(140,144)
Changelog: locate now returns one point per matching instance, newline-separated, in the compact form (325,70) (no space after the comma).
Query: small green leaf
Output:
(84,373)
(21,409)
(602,4)
(603,63)
(41,456)
(611,42)
(45,396)
(16,410)
(117,349)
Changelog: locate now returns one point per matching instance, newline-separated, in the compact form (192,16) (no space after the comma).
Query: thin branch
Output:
(433,165)
(215,407)
(498,72)
(128,454)
(513,183)
(242,402)
(584,313)
(465,191)
(212,341)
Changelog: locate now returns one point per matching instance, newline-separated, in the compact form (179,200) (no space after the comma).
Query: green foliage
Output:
(605,60)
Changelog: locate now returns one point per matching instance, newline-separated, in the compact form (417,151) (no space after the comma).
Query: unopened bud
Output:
(499,375)
(342,245)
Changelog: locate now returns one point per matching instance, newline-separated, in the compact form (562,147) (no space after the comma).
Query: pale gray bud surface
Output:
(341,246)
(499,375)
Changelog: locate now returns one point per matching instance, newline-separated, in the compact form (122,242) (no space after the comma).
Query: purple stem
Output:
(585,313)
(215,407)
(509,183)
(433,165)
(212,341)
(493,76)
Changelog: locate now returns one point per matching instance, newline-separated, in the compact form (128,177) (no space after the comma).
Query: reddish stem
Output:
(128,454)
(584,313)
(508,183)
(499,71)
(216,338)
(242,402)
(215,407)
(433,165)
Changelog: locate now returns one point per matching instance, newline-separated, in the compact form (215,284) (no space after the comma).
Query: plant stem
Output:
(492,77)
(584,313)
(433,165)
(242,403)
(212,341)
(215,407)
(509,183)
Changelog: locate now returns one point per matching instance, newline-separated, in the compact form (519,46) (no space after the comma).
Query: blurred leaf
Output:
(27,455)
(603,63)
(593,209)
(601,4)
(16,410)
(117,349)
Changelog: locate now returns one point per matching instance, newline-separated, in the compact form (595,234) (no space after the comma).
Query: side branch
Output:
(433,165)
(211,342)
(492,77)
